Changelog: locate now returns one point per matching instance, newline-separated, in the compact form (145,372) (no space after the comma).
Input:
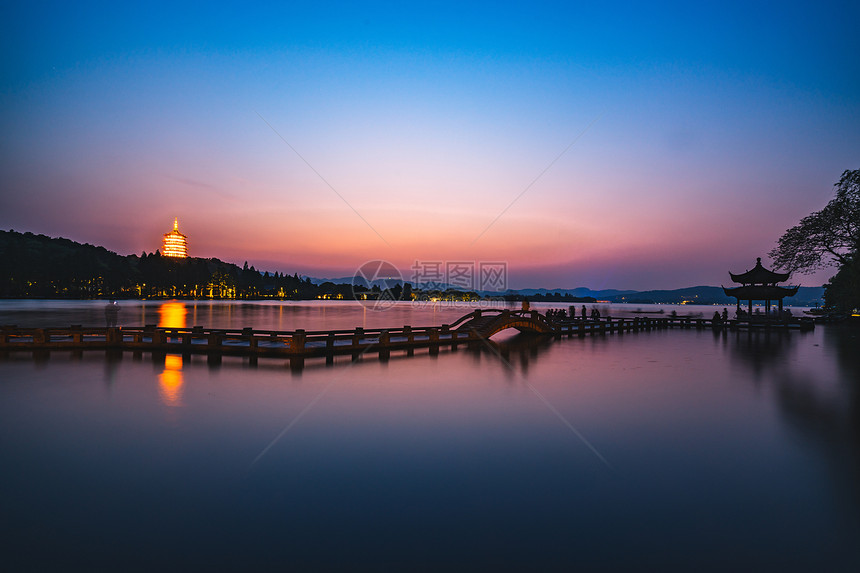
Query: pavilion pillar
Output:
(750,301)
(780,308)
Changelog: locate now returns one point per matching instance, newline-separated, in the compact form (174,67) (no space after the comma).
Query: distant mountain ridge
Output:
(577,292)
(806,296)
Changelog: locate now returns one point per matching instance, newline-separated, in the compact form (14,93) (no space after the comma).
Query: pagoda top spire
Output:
(176,223)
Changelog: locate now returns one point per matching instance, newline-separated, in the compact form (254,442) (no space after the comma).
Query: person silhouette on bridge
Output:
(111,313)
(584,313)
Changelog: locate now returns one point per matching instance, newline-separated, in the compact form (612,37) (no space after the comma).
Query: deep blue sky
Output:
(702,132)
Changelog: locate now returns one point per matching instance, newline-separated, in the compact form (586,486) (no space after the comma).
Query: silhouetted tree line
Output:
(38,266)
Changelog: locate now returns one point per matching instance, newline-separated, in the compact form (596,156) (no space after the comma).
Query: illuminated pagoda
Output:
(760,284)
(175,243)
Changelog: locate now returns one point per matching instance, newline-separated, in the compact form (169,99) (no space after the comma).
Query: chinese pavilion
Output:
(175,243)
(760,284)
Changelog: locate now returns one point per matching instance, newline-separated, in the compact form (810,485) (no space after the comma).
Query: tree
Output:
(842,292)
(827,237)
(396,291)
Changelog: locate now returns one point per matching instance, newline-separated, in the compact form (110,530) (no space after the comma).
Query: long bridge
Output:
(297,345)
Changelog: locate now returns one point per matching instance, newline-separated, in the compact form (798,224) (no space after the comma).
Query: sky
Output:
(605,145)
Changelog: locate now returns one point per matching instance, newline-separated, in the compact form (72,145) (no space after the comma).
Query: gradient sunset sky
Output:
(608,145)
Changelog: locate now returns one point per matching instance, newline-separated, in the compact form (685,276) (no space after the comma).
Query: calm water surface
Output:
(672,450)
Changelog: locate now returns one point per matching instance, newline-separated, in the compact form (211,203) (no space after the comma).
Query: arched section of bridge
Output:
(485,323)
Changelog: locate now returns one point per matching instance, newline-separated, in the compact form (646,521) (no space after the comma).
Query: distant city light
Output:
(175,243)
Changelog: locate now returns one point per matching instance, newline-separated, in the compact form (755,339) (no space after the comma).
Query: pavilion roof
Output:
(759,276)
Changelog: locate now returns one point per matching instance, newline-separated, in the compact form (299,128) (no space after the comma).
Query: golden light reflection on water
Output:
(172,315)
(170,381)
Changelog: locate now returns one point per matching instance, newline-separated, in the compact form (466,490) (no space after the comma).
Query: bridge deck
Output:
(299,344)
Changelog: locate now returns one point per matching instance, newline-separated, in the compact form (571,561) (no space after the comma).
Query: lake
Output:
(669,450)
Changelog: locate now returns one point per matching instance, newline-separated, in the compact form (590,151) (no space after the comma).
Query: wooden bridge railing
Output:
(299,344)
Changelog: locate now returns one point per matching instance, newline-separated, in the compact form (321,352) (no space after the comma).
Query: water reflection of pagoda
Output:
(760,284)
